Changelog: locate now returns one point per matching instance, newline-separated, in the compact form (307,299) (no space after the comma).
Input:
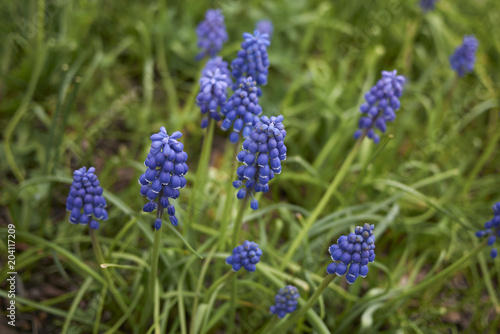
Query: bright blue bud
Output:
(285,301)
(354,252)
(245,256)
(85,200)
(262,154)
(167,175)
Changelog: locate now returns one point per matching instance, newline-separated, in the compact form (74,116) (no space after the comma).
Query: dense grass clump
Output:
(86,83)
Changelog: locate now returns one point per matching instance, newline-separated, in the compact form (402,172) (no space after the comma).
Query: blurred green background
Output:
(85,83)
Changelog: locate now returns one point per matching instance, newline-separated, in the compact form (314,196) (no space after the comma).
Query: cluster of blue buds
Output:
(218,63)
(85,195)
(382,101)
(492,230)
(463,59)
(265,27)
(252,60)
(164,176)
(354,252)
(427,5)
(246,256)
(286,301)
(261,156)
(211,33)
(241,110)
(212,95)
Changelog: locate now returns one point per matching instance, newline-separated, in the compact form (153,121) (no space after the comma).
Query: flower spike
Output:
(286,301)
(352,253)
(492,230)
(245,256)
(85,200)
(382,101)
(164,176)
(211,34)
(262,154)
(463,59)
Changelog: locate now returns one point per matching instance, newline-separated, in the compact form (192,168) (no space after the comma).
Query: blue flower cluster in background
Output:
(463,59)
(265,27)
(261,156)
(246,256)
(492,229)
(252,60)
(354,252)
(164,176)
(427,5)
(85,199)
(286,301)
(212,95)
(241,110)
(382,101)
(211,34)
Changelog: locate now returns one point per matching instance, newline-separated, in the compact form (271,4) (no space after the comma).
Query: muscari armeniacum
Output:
(85,200)
(241,110)
(211,34)
(352,253)
(463,59)
(492,230)
(245,256)
(427,5)
(285,301)
(261,156)
(212,95)
(265,27)
(382,101)
(252,60)
(164,176)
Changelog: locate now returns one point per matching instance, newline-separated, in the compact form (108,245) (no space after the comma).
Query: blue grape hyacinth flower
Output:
(265,27)
(218,63)
(285,301)
(212,95)
(492,230)
(241,110)
(164,176)
(427,5)
(211,34)
(463,59)
(353,253)
(245,256)
(382,102)
(261,156)
(85,200)
(252,60)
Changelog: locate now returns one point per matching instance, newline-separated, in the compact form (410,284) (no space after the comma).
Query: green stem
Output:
(297,315)
(323,202)
(229,199)
(239,220)
(155,254)
(112,287)
(154,269)
(234,243)
(40,23)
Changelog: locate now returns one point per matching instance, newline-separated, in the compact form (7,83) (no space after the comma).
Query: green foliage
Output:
(86,82)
